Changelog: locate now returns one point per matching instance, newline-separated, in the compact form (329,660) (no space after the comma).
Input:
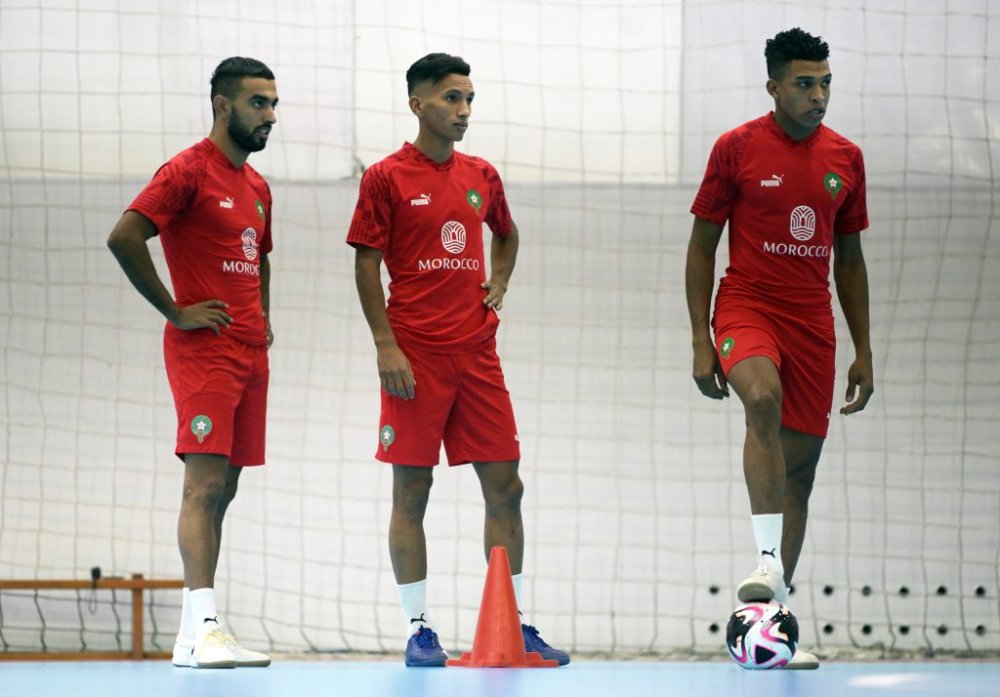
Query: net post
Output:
(137,644)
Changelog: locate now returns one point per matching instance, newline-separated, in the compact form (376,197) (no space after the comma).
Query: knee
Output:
(504,495)
(206,493)
(799,482)
(763,408)
(229,492)
(410,498)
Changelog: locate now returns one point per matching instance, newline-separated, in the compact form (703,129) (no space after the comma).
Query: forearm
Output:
(699,279)
(372,296)
(134,258)
(265,285)
(394,370)
(851,280)
(503,256)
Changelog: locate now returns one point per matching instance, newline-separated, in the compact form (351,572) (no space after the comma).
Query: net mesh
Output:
(600,117)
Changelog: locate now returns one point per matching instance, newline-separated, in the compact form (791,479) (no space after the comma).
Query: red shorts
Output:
(220,393)
(802,348)
(460,399)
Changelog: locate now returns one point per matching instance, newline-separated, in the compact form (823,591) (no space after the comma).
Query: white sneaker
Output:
(802,660)
(182,652)
(245,658)
(763,584)
(212,650)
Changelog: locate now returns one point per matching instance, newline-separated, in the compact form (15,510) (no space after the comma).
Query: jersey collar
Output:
(216,153)
(780,132)
(414,153)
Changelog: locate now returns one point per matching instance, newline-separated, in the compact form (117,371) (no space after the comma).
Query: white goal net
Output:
(600,117)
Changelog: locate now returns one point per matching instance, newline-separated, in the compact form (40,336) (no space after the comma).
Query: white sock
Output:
(767,534)
(414,599)
(517,579)
(202,605)
(187,624)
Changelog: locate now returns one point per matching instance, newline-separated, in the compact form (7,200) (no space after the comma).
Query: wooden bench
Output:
(137,584)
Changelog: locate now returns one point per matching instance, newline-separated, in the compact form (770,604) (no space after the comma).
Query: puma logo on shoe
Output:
(764,552)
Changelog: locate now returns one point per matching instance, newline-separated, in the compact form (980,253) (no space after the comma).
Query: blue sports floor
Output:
(579,679)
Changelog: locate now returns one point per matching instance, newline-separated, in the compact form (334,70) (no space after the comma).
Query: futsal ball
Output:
(762,636)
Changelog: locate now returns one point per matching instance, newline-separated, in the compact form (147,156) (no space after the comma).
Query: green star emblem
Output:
(474,199)
(833,184)
(201,426)
(387,436)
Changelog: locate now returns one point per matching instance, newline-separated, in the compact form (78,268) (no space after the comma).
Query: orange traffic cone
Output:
(499,642)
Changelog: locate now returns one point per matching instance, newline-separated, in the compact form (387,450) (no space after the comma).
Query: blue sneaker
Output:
(533,642)
(423,650)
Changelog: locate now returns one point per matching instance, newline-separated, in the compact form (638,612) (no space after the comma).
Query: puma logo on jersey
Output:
(765,553)
(424,200)
(228,203)
(775,180)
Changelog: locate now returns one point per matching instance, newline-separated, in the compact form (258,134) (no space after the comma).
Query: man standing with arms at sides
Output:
(791,190)
(421,210)
(212,212)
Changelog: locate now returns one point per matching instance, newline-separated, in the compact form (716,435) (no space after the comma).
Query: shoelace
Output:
(426,639)
(242,653)
(216,634)
(532,632)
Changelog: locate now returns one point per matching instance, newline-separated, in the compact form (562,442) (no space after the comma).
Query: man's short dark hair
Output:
(433,68)
(228,74)
(791,45)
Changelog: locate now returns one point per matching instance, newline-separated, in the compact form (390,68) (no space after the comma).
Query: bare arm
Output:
(503,256)
(127,242)
(850,275)
(265,295)
(394,368)
(699,281)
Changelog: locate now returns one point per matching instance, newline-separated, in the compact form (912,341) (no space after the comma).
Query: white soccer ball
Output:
(762,636)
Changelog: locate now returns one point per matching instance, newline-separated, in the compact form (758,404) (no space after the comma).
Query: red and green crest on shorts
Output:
(201,426)
(727,347)
(387,436)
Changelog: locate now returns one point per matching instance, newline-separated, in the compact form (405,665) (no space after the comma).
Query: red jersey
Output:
(427,220)
(784,201)
(214,222)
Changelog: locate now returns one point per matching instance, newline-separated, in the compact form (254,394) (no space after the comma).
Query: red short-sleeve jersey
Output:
(784,201)
(427,220)
(214,222)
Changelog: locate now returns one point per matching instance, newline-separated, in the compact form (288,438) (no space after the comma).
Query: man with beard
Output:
(212,212)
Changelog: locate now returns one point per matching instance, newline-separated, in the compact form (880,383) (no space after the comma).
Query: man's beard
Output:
(245,137)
